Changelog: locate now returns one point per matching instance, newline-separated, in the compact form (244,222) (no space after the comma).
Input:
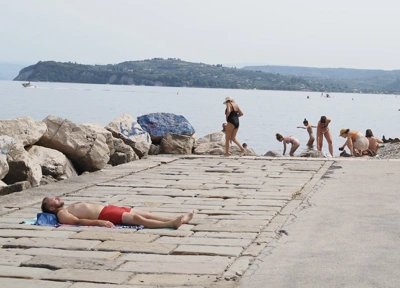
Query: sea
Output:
(265,112)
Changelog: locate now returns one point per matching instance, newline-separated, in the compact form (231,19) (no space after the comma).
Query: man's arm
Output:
(64,217)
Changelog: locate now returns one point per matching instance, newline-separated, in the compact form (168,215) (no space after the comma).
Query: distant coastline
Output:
(174,72)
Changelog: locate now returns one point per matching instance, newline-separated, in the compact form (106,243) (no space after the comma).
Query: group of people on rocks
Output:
(356,142)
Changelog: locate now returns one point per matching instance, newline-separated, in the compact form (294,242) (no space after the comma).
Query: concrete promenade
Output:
(243,206)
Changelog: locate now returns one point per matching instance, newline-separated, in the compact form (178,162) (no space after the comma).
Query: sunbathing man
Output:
(93,214)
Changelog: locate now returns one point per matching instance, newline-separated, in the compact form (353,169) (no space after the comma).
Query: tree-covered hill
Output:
(164,72)
(176,73)
(352,80)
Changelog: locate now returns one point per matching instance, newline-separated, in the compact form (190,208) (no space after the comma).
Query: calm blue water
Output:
(265,112)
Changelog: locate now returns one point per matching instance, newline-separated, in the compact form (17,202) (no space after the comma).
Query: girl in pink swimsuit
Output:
(286,140)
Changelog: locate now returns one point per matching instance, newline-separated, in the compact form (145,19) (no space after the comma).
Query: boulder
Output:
(23,167)
(16,187)
(4,168)
(126,128)
(24,130)
(154,149)
(159,124)
(272,154)
(86,148)
(6,143)
(2,184)
(53,162)
(176,144)
(213,137)
(100,129)
(312,154)
(122,153)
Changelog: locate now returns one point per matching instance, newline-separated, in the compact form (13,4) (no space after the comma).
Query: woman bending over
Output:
(286,140)
(356,141)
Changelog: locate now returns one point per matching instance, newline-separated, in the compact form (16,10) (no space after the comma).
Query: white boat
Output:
(26,85)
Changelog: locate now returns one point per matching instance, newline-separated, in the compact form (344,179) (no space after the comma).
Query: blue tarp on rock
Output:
(158,124)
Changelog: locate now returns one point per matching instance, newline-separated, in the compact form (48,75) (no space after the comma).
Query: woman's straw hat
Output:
(229,98)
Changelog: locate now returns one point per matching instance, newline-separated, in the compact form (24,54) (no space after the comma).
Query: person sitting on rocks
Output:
(93,214)
(373,143)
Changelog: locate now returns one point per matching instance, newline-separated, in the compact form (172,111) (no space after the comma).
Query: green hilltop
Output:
(177,73)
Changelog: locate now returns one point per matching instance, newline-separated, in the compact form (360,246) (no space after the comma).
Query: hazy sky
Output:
(315,33)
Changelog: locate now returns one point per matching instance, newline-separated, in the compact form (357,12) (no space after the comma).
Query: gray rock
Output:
(86,148)
(126,128)
(122,153)
(154,149)
(272,154)
(22,167)
(176,144)
(16,187)
(312,154)
(53,162)
(24,130)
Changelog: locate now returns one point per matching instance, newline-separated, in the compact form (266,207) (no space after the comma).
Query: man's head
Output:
(51,205)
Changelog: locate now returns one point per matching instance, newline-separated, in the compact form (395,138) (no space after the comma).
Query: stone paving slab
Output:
(207,250)
(12,259)
(204,241)
(115,236)
(173,280)
(60,262)
(24,272)
(51,243)
(25,283)
(34,233)
(135,247)
(95,276)
(199,268)
(69,253)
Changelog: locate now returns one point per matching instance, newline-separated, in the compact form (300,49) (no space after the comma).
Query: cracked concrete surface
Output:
(344,234)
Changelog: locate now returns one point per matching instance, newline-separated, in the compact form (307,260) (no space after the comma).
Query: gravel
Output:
(389,151)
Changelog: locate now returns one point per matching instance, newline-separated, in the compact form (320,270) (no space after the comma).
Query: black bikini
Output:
(233,117)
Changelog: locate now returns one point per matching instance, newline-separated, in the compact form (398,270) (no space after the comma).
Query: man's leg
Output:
(136,219)
(148,215)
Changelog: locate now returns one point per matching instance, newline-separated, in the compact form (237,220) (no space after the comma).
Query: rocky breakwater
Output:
(34,153)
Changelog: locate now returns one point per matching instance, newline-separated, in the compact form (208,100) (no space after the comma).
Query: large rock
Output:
(218,137)
(6,143)
(176,144)
(53,162)
(16,187)
(312,154)
(126,128)
(86,148)
(24,130)
(23,167)
(4,168)
(272,154)
(100,129)
(159,124)
(122,153)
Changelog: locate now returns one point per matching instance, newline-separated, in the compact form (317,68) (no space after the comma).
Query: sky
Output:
(311,33)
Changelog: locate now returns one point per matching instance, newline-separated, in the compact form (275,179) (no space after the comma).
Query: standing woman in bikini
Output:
(232,114)
(323,130)
(309,127)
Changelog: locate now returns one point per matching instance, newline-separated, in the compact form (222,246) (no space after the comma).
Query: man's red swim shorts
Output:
(113,213)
